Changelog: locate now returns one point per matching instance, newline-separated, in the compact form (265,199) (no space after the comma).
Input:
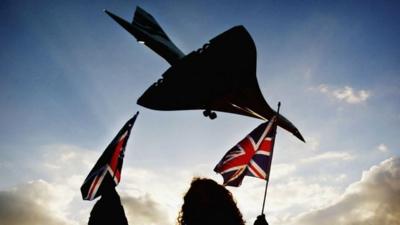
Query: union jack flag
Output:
(252,156)
(106,173)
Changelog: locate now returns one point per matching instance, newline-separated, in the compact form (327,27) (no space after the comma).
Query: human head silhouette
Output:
(208,203)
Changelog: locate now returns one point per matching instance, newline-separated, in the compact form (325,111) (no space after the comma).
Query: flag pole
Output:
(272,152)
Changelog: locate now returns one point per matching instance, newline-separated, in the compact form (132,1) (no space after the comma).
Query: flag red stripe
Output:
(254,169)
(117,152)
(92,187)
(266,145)
(247,145)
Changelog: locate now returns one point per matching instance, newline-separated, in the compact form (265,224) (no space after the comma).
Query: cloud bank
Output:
(372,200)
(34,203)
(58,201)
(42,203)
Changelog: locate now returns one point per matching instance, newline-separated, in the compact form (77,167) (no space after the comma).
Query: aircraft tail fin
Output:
(146,30)
(148,23)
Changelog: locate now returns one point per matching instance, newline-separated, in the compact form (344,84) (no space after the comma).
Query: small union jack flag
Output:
(252,156)
(106,173)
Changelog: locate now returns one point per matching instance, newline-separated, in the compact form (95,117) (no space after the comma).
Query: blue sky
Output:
(70,78)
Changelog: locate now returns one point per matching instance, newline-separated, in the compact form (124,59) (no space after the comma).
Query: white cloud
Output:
(323,88)
(58,201)
(43,203)
(154,196)
(143,210)
(282,170)
(36,202)
(328,156)
(372,200)
(308,201)
(313,143)
(341,177)
(383,148)
(345,94)
(301,193)
(64,160)
(286,198)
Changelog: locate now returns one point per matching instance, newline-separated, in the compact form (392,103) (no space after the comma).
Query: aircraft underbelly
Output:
(218,71)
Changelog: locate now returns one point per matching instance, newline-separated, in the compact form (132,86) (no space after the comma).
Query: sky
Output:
(70,77)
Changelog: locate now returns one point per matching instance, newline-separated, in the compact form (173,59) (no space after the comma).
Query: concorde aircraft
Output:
(219,76)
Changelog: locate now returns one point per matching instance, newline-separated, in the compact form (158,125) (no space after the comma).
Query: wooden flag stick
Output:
(273,143)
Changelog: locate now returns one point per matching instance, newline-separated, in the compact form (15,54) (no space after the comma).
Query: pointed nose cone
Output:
(144,100)
(154,98)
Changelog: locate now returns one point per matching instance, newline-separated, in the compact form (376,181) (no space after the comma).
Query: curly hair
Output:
(207,202)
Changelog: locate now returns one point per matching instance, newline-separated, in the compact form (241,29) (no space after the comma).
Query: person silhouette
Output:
(261,220)
(207,202)
(108,210)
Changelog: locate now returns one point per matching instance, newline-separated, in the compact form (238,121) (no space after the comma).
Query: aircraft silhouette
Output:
(220,76)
